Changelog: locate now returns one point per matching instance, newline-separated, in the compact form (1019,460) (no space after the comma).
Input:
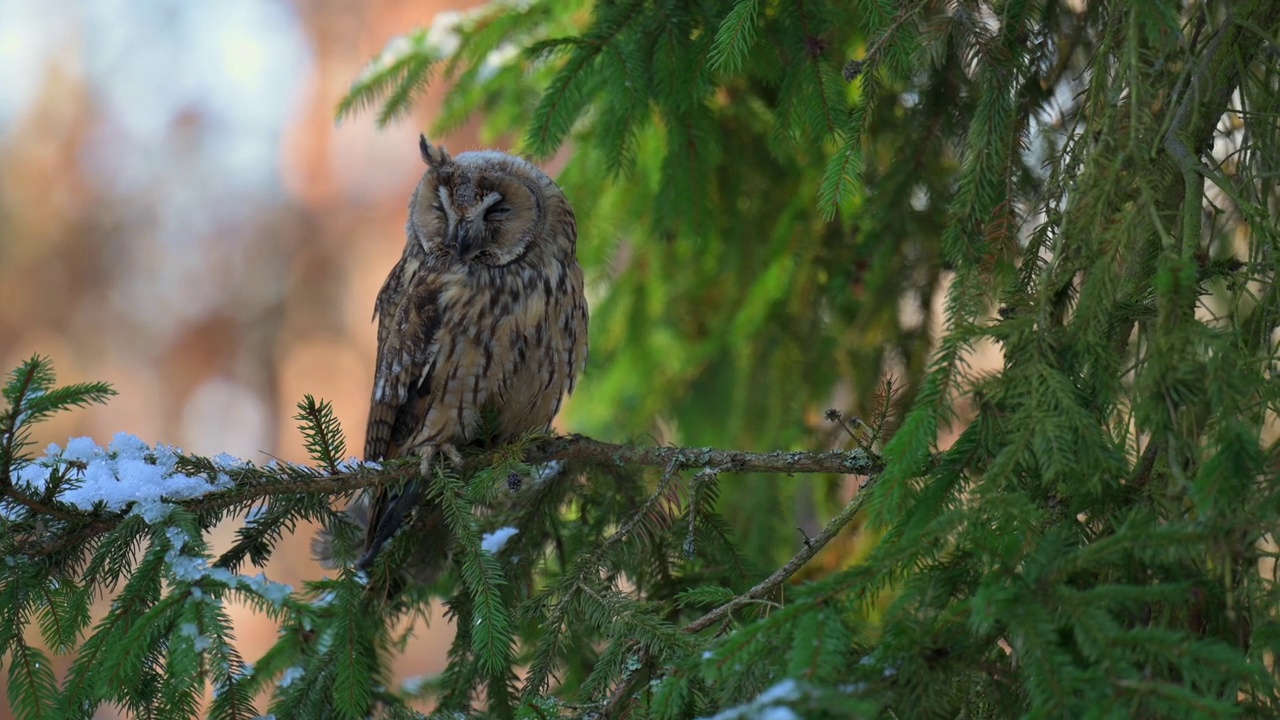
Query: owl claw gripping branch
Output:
(483,317)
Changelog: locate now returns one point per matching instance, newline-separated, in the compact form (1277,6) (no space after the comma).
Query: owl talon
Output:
(425,465)
(452,453)
(431,452)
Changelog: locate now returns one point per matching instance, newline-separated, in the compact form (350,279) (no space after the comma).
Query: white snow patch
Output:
(547,471)
(202,642)
(128,472)
(290,675)
(353,464)
(194,569)
(413,685)
(497,59)
(494,542)
(782,692)
(441,40)
(36,475)
(223,461)
(273,592)
(764,707)
(256,512)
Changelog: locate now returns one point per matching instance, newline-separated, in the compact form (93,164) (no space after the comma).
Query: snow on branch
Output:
(239,483)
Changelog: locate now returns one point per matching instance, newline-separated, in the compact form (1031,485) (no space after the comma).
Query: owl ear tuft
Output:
(434,155)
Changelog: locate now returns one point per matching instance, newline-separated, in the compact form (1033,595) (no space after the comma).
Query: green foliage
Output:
(1030,179)
(399,73)
(67,537)
(1086,528)
(30,396)
(321,432)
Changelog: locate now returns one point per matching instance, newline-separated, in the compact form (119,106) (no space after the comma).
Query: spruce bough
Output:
(1089,192)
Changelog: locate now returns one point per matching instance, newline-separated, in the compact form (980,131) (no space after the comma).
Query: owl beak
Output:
(465,241)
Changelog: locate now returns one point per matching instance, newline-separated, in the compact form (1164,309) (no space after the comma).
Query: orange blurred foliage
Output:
(181,216)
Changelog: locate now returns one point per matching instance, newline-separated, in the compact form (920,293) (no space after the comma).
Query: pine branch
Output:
(812,546)
(734,37)
(261,484)
(578,447)
(30,396)
(321,432)
(872,57)
(39,508)
(572,447)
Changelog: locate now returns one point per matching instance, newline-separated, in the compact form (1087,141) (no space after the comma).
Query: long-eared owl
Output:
(482,322)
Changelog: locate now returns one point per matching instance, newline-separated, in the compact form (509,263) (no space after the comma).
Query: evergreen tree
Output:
(769,197)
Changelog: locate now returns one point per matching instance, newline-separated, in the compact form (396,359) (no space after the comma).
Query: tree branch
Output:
(811,548)
(578,447)
(1213,79)
(784,573)
(574,447)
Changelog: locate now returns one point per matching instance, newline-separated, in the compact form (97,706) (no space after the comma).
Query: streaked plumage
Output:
(483,316)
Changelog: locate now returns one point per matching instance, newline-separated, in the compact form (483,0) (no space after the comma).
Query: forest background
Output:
(1054,190)
(181,216)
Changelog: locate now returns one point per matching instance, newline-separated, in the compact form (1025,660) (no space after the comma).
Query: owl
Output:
(482,329)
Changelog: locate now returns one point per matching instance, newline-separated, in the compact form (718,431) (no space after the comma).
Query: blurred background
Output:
(181,217)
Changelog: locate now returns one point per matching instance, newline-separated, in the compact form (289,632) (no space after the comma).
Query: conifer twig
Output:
(39,508)
(811,547)
(854,68)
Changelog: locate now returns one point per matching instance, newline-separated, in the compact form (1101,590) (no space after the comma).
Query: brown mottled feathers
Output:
(408,320)
(483,316)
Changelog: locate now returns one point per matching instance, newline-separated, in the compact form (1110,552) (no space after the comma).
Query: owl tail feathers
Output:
(390,516)
(420,569)
(359,513)
(322,545)
(322,550)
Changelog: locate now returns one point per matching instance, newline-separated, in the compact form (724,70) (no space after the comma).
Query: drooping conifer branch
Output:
(812,546)
(762,589)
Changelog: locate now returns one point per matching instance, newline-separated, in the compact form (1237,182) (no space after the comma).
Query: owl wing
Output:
(409,317)
(409,320)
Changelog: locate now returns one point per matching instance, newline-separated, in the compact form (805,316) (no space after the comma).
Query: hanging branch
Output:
(721,613)
(810,548)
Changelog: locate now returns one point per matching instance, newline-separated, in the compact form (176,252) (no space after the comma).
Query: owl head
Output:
(485,208)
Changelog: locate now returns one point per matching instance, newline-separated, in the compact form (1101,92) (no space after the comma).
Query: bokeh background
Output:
(181,216)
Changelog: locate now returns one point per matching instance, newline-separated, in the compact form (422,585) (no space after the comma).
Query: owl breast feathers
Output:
(482,324)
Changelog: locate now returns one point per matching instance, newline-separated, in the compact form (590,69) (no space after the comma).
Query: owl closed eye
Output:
(480,207)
